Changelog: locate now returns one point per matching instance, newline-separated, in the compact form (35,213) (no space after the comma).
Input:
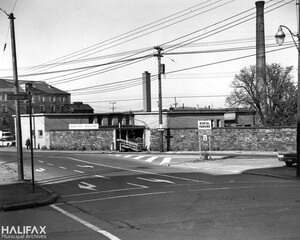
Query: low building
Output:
(102,130)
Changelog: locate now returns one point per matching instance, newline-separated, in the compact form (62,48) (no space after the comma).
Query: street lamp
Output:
(280,36)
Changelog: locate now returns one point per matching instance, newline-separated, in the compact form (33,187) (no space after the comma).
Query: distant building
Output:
(7,108)
(80,107)
(45,99)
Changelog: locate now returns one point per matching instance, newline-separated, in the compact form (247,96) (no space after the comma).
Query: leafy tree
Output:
(281,95)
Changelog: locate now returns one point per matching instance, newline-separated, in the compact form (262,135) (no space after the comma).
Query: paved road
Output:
(112,196)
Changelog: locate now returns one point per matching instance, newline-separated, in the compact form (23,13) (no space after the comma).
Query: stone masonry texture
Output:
(81,140)
(229,139)
(222,139)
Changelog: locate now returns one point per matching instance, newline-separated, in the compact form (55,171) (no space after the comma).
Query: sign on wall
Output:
(83,126)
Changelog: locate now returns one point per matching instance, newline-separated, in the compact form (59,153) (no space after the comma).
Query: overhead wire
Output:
(123,65)
(124,35)
(272,9)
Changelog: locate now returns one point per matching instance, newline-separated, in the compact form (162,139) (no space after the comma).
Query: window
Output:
(42,109)
(43,99)
(40,133)
(5,121)
(53,108)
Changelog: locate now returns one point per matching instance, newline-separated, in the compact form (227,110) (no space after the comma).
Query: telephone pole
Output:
(161,130)
(17,102)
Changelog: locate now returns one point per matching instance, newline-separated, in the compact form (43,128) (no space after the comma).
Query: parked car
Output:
(289,158)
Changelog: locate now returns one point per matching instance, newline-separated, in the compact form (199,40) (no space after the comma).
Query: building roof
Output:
(78,107)
(4,83)
(43,87)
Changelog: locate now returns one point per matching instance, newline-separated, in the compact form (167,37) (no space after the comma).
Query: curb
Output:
(32,204)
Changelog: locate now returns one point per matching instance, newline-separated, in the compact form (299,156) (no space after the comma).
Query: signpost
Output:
(204,130)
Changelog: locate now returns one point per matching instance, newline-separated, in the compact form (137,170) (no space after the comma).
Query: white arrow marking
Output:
(155,180)
(40,170)
(85,166)
(88,186)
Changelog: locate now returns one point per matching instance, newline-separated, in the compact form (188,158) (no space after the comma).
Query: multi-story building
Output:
(45,99)
(7,108)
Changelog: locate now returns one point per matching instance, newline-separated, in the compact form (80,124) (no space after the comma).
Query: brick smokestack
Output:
(261,56)
(146,92)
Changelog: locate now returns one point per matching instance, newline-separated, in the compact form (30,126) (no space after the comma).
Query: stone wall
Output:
(226,139)
(81,140)
(223,139)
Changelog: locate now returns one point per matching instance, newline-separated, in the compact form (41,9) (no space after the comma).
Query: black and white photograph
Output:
(150,119)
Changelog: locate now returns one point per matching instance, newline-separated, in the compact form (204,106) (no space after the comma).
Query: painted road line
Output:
(118,155)
(166,160)
(137,171)
(100,176)
(78,171)
(50,164)
(41,161)
(139,157)
(101,192)
(151,159)
(85,223)
(61,167)
(121,196)
(137,185)
(155,180)
(40,170)
(85,166)
(127,156)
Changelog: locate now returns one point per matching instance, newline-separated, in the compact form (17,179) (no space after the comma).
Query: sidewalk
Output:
(16,195)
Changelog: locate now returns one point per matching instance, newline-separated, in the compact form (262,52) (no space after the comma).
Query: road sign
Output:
(20,96)
(204,124)
(160,129)
(204,127)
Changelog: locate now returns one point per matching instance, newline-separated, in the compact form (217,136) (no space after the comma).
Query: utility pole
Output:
(161,130)
(29,92)
(298,99)
(17,102)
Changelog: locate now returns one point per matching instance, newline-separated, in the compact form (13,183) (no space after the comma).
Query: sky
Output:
(97,50)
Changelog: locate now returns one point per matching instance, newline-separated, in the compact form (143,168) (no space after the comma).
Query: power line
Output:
(121,36)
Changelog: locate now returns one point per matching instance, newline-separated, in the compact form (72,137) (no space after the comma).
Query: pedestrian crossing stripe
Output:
(151,159)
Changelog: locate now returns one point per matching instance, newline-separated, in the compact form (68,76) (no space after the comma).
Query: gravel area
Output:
(7,174)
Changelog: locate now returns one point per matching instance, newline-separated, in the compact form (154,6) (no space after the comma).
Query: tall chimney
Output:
(261,56)
(146,92)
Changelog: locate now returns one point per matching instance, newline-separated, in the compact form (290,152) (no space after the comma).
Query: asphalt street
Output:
(137,196)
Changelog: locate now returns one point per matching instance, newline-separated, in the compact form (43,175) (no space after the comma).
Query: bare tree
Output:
(281,95)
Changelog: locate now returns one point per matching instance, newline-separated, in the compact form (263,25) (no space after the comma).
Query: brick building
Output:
(45,99)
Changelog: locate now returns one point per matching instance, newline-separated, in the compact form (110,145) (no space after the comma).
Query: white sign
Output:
(204,125)
(83,126)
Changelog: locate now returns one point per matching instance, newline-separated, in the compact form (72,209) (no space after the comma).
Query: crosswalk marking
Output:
(151,159)
(166,161)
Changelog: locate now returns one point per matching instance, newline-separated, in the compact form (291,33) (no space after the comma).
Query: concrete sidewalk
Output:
(16,195)
(20,195)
